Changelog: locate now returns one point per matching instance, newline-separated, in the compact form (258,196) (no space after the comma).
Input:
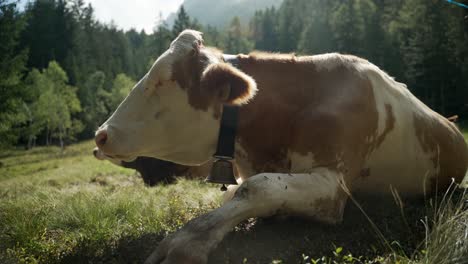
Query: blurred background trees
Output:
(62,72)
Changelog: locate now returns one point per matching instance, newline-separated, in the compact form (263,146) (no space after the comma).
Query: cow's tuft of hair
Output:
(186,40)
(219,76)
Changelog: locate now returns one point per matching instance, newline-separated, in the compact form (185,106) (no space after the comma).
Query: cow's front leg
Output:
(316,195)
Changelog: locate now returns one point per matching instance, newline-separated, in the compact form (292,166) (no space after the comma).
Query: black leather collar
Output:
(228,129)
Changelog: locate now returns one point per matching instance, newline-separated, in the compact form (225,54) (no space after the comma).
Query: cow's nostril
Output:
(101,138)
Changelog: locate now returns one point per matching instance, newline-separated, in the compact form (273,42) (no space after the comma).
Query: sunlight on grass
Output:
(52,204)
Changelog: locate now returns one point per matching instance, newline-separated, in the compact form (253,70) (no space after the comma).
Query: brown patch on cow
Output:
(187,73)
(443,141)
(299,108)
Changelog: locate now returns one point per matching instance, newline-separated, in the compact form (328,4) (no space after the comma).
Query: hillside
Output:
(221,12)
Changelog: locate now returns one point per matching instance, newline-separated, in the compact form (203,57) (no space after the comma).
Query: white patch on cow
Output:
(231,190)
(327,61)
(178,144)
(330,61)
(301,163)
(296,193)
(388,164)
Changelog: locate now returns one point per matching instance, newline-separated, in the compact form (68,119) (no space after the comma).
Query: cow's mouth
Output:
(101,155)
(97,153)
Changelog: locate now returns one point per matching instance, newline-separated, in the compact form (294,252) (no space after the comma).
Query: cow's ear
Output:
(228,84)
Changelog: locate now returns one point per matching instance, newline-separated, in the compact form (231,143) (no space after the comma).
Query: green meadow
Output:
(67,207)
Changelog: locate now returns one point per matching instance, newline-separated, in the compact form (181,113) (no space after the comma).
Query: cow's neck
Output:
(264,124)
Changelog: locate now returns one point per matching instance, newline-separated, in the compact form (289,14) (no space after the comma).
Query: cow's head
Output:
(173,112)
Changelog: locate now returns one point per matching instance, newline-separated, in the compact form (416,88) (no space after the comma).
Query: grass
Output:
(55,207)
(71,208)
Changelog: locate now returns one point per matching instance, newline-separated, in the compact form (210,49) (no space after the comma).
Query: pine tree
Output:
(264,30)
(12,66)
(236,41)
(161,39)
(181,23)
(214,37)
(291,24)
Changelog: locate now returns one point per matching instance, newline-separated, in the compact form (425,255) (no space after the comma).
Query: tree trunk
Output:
(47,136)
(30,142)
(61,139)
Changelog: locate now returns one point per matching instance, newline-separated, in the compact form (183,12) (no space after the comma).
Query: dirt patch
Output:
(127,250)
(289,239)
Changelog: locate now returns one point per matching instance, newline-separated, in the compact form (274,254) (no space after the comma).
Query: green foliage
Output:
(55,104)
(219,13)
(264,29)
(422,43)
(95,100)
(236,41)
(12,92)
(121,87)
(183,21)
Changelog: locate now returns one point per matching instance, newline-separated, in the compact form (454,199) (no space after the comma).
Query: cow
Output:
(311,130)
(155,171)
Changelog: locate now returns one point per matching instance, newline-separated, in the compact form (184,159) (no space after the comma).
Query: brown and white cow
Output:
(308,126)
(155,171)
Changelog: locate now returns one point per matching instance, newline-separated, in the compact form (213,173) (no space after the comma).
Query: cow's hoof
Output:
(179,248)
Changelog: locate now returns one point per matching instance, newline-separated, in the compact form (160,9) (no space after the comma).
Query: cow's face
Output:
(173,112)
